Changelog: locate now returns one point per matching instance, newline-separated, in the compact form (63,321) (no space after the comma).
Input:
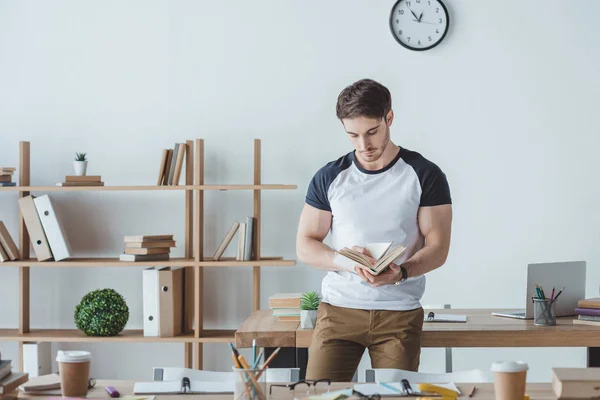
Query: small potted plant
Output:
(80,164)
(309,304)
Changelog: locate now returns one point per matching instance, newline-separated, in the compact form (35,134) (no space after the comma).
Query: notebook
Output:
(369,389)
(184,386)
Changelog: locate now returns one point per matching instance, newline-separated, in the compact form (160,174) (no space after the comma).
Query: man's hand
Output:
(389,277)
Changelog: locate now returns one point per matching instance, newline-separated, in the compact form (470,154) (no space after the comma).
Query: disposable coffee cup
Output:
(509,379)
(74,371)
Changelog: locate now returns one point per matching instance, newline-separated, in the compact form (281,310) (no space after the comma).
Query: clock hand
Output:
(430,23)
(420,16)
(415,15)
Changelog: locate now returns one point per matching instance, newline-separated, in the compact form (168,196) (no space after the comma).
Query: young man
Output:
(378,193)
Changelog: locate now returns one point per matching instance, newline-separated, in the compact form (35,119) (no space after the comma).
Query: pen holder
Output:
(544,312)
(249,384)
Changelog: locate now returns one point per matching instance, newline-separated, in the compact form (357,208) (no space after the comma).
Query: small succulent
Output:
(80,157)
(310,301)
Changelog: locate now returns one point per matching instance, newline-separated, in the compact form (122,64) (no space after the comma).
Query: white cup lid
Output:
(73,356)
(509,366)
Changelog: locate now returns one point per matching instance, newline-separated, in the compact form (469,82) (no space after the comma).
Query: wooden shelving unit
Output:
(194,261)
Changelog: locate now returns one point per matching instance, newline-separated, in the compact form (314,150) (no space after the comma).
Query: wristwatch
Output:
(404,276)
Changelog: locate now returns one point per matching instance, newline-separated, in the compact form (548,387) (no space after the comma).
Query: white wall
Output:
(507,106)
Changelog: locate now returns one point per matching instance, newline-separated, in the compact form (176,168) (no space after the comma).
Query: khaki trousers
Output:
(342,334)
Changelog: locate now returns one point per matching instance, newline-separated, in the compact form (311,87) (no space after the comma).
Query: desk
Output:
(481,330)
(485,391)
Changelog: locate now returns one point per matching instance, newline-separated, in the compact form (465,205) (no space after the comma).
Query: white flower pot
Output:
(80,167)
(308,319)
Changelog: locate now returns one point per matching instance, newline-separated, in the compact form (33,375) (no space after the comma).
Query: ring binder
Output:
(185,385)
(430,316)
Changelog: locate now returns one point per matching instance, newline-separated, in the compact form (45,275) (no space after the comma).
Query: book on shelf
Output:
(39,241)
(147,251)
(8,184)
(285,300)
(576,383)
(165,178)
(79,184)
(241,241)
(179,163)
(148,238)
(589,303)
(151,244)
(163,164)
(226,240)
(248,253)
(7,170)
(286,312)
(382,253)
(84,178)
(142,257)
(7,243)
(5,178)
(3,256)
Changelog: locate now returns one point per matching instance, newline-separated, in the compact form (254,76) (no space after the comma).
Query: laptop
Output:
(570,274)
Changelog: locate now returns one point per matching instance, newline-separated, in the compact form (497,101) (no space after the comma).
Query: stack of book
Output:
(8,248)
(147,248)
(171,164)
(85,180)
(45,228)
(286,306)
(6,174)
(588,311)
(9,381)
(245,249)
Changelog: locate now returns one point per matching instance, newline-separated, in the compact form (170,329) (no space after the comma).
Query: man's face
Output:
(369,136)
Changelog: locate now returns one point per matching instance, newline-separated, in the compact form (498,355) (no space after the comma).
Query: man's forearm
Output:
(316,254)
(425,260)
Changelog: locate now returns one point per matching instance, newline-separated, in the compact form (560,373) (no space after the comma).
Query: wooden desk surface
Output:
(485,391)
(481,330)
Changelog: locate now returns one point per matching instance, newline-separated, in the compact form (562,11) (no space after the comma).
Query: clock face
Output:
(419,24)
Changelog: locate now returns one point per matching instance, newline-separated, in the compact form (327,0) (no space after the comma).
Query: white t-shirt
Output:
(376,206)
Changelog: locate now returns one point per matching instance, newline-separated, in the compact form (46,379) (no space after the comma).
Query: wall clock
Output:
(419,24)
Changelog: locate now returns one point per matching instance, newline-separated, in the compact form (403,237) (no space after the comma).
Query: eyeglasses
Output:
(321,383)
(361,396)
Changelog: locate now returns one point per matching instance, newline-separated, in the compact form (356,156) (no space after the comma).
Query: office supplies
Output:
(437,389)
(472,391)
(552,294)
(162,290)
(539,292)
(382,253)
(39,241)
(112,392)
(543,294)
(184,386)
(41,384)
(37,359)
(571,274)
(53,227)
(440,317)
(253,351)
(576,383)
(393,389)
(250,375)
(257,361)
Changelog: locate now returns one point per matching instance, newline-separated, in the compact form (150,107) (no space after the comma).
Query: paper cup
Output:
(509,379)
(74,371)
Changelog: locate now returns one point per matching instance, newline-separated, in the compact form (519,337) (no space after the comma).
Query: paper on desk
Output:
(370,389)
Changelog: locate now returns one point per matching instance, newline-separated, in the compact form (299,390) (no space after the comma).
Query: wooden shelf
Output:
(74,335)
(130,335)
(174,262)
(142,188)
(218,336)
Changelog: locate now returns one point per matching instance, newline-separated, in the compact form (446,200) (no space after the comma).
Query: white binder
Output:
(37,359)
(55,233)
(34,228)
(163,301)
(150,305)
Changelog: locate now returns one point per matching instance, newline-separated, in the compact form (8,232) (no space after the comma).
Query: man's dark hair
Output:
(364,98)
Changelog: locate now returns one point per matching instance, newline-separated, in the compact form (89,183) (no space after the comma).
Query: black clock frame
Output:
(418,48)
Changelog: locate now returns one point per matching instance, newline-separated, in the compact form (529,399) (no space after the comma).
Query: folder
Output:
(163,301)
(37,359)
(7,243)
(184,386)
(53,228)
(241,241)
(34,228)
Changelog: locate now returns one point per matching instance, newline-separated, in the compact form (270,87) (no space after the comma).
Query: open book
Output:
(383,253)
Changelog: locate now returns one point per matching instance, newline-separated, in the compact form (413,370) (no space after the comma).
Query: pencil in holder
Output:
(249,384)
(544,312)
